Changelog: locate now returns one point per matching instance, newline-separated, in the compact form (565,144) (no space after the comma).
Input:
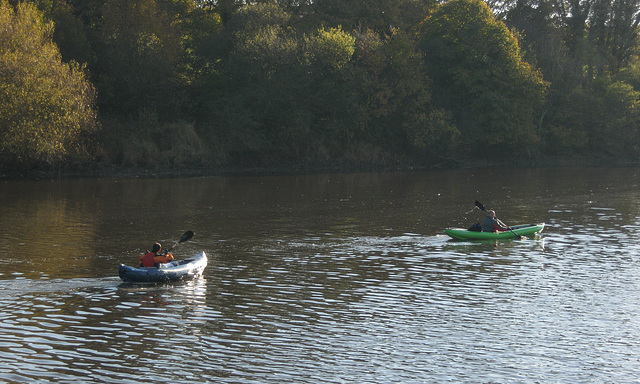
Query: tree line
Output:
(316,83)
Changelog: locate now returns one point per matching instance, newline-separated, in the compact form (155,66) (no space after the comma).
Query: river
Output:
(330,278)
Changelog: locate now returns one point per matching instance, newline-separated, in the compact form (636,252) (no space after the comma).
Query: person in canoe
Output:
(155,257)
(492,224)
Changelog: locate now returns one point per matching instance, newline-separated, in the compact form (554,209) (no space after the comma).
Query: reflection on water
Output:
(326,279)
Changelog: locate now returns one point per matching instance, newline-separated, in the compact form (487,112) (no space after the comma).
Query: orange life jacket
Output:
(167,257)
(146,260)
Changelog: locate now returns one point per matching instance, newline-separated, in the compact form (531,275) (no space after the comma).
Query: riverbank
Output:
(85,171)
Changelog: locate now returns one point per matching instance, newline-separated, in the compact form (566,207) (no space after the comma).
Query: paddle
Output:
(479,205)
(185,237)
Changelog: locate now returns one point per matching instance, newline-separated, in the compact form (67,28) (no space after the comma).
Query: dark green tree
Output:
(138,56)
(381,16)
(479,76)
(246,98)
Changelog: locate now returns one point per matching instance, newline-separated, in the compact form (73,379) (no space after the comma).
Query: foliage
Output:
(151,144)
(599,119)
(323,83)
(140,51)
(380,16)
(46,106)
(479,75)
(331,49)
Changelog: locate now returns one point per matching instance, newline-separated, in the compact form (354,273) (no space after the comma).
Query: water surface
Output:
(325,279)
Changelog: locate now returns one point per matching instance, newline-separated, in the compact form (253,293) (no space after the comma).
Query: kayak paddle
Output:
(185,237)
(479,205)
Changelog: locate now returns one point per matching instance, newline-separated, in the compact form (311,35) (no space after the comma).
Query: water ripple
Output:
(337,309)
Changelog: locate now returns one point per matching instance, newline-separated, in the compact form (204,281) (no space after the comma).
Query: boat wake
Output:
(22,285)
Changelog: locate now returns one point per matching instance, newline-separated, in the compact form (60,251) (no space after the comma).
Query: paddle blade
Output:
(186,236)
(479,205)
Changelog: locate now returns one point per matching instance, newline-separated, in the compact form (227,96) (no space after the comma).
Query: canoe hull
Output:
(187,269)
(520,230)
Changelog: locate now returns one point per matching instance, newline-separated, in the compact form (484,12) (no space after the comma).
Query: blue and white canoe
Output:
(174,271)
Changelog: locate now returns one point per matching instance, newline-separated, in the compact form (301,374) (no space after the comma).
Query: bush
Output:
(46,106)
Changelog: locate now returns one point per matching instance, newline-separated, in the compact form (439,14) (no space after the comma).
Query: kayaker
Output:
(492,224)
(153,258)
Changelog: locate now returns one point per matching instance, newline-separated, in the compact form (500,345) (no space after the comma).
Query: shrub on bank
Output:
(167,146)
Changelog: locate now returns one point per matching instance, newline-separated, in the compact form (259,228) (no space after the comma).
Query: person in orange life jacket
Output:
(153,258)
(492,224)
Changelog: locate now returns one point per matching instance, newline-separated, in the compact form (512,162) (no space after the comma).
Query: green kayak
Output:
(516,231)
